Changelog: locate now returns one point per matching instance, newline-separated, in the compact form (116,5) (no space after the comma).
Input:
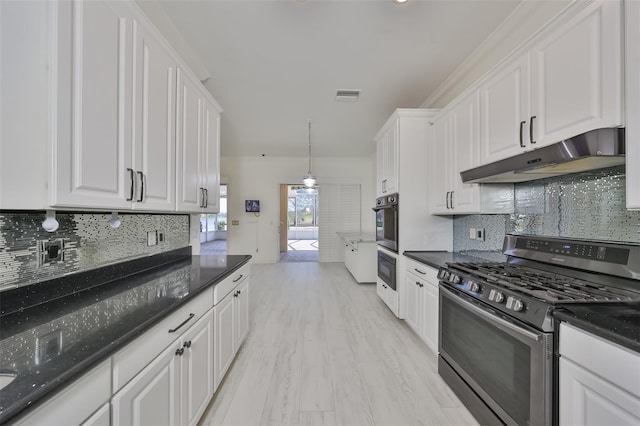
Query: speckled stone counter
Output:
(617,322)
(49,342)
(439,259)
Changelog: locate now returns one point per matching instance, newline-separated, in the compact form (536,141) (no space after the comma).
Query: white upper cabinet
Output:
(154,122)
(387,161)
(96,109)
(455,141)
(576,75)
(632,105)
(92,147)
(198,145)
(504,111)
(210,156)
(567,81)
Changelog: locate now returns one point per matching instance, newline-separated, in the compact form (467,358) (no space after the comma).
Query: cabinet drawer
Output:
(134,357)
(224,287)
(604,358)
(74,404)
(422,271)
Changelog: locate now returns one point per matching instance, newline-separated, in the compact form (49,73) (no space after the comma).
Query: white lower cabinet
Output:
(360,259)
(599,380)
(176,387)
(231,328)
(79,402)
(102,417)
(421,284)
(388,295)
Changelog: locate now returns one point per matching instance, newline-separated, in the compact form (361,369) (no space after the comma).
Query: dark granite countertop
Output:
(617,322)
(439,259)
(88,321)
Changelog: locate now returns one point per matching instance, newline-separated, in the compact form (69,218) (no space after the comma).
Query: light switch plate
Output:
(152,238)
(480,234)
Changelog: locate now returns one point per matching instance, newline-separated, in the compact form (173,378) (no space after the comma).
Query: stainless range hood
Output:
(596,149)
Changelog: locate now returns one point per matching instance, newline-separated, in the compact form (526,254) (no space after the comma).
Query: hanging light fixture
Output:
(309,181)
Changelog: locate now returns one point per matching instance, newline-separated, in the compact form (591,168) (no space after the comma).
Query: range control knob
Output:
(473,286)
(499,297)
(515,304)
(455,279)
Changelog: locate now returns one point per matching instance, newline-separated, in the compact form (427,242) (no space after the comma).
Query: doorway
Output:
(298,223)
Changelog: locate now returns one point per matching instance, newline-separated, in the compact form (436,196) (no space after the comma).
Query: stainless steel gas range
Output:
(497,338)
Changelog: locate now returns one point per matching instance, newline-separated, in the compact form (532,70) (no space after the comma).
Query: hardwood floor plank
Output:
(323,350)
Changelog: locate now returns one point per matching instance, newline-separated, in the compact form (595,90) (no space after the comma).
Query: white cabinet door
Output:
(632,106)
(154,123)
(380,145)
(153,396)
(92,148)
(504,111)
(210,154)
(577,75)
(587,399)
(414,303)
(464,148)
(439,176)
(197,369)
(391,159)
(224,337)
(189,190)
(431,318)
(102,417)
(242,312)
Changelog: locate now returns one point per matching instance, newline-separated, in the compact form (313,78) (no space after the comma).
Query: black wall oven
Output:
(387,221)
(387,269)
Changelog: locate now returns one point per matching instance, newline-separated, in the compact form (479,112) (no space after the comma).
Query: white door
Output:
(413,294)
(93,144)
(431,306)
(464,147)
(439,170)
(577,75)
(211,157)
(224,337)
(189,192)
(197,369)
(504,104)
(242,312)
(153,396)
(587,399)
(154,123)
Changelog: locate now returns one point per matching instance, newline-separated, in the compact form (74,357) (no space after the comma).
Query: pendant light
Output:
(309,181)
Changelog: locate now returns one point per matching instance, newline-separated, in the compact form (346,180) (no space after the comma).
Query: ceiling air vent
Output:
(347,95)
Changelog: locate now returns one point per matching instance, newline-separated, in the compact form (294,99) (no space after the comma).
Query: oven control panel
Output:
(588,251)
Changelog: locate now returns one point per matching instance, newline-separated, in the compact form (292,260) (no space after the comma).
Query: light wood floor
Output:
(323,350)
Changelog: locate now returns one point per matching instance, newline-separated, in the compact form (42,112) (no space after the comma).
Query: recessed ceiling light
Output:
(400,1)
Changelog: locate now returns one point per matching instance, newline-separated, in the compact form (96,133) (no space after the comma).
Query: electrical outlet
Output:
(235,222)
(480,234)
(472,233)
(152,238)
(51,251)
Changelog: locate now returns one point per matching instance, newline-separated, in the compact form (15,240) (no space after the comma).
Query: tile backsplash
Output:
(89,242)
(589,205)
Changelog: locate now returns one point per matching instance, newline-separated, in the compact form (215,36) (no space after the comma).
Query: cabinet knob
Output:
(187,344)
(179,351)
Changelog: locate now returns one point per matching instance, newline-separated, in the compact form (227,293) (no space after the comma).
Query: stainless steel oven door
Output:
(507,363)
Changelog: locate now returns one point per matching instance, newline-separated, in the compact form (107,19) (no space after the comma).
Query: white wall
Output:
(259,178)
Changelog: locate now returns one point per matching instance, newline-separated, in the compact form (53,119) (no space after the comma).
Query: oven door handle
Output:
(494,318)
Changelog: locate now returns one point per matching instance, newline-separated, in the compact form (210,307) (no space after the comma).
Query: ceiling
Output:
(273,65)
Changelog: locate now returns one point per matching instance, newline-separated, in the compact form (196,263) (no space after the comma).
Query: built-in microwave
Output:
(387,221)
